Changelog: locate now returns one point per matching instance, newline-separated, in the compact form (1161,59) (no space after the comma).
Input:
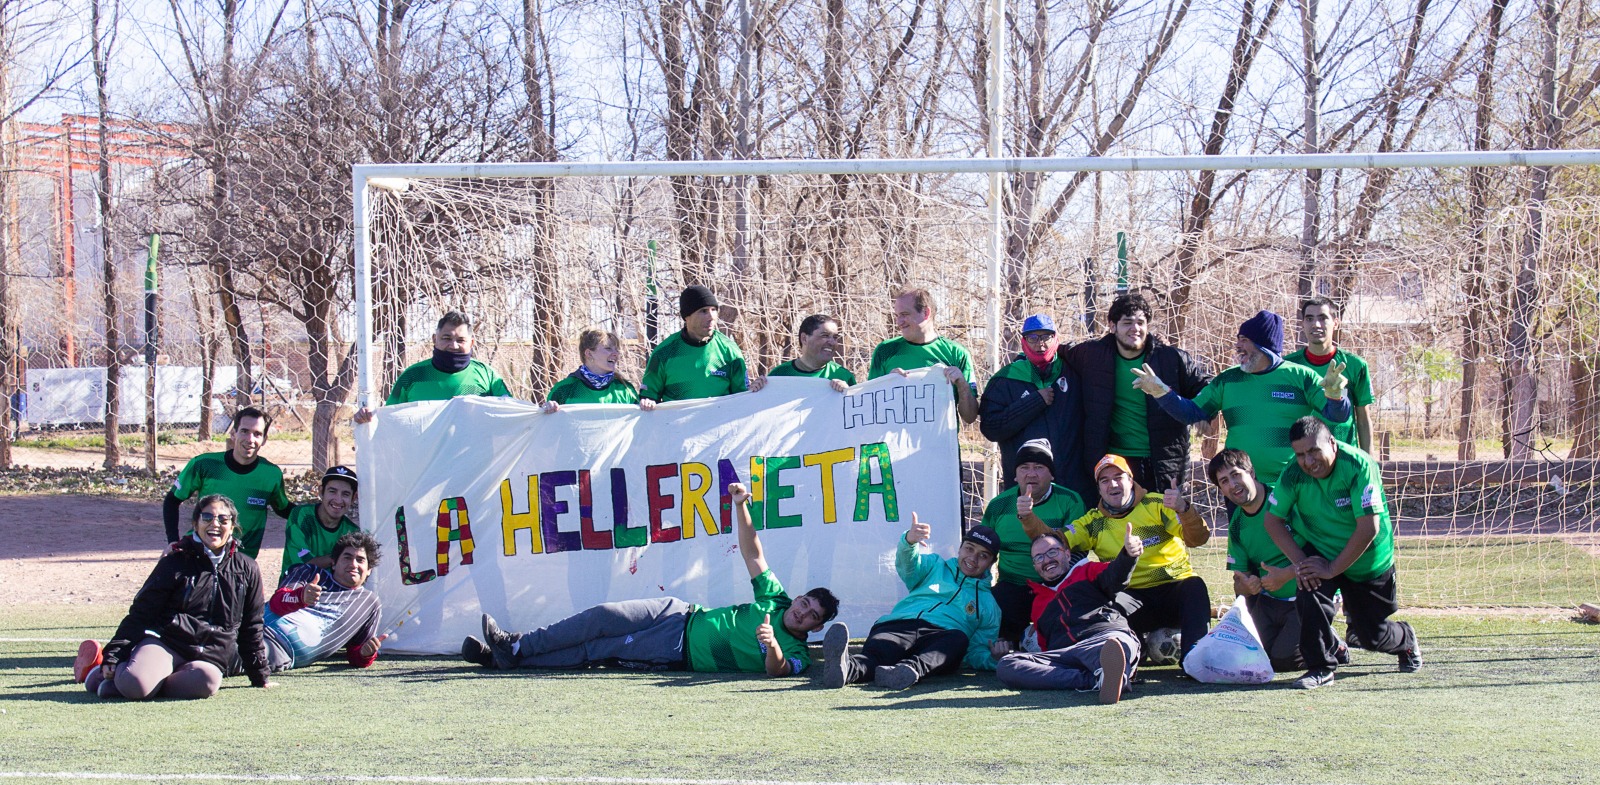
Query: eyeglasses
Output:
(209,517)
(1038,339)
(1053,553)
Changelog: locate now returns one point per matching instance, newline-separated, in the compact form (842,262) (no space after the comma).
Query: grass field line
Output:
(400,778)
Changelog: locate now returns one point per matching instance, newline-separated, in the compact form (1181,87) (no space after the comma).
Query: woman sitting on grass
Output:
(201,601)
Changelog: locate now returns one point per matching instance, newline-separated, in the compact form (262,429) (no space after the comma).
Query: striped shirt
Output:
(298,636)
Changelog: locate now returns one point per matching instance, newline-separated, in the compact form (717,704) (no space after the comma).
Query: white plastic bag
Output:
(1231,653)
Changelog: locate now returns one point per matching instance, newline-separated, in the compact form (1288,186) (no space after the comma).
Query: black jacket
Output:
(200,612)
(1087,604)
(1095,362)
(1011,411)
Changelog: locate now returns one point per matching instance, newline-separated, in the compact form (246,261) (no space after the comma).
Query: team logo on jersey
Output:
(1283,395)
(1342,501)
(971,609)
(1369,495)
(1272,498)
(256,501)
(721,372)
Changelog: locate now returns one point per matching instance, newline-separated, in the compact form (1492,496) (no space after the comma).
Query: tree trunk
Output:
(1246,44)
(545,363)
(1475,319)
(1311,183)
(1525,292)
(100,48)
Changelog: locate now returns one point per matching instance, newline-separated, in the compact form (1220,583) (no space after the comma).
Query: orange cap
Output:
(1114,461)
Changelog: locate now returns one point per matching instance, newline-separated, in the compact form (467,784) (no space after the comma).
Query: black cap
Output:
(340,473)
(984,537)
(694,298)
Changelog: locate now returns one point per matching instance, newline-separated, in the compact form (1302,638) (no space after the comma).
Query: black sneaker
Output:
(500,643)
(477,652)
(1313,679)
(1411,658)
(835,656)
(1342,655)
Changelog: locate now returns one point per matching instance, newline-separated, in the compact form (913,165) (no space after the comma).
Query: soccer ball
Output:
(1161,646)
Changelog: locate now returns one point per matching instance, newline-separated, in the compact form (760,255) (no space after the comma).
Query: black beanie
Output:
(694,298)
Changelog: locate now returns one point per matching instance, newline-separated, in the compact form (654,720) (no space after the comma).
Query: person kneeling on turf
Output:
(319,610)
(949,617)
(201,602)
(670,634)
(1081,621)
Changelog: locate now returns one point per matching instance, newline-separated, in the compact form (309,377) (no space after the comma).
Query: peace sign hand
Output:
(1174,498)
(1333,381)
(1145,379)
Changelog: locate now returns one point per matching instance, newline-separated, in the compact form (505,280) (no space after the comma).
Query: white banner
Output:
(490,505)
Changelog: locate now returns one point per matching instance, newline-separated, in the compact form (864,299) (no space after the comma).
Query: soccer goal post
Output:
(536,252)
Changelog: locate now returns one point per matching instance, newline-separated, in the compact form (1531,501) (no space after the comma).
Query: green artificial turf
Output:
(1500,699)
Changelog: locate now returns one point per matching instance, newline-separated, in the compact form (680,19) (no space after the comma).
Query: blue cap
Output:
(1037,323)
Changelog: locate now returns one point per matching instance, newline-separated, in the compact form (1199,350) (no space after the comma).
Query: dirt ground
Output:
(293,455)
(89,549)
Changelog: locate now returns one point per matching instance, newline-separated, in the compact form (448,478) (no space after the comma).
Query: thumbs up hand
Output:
(764,634)
(1146,380)
(919,531)
(370,648)
(1132,544)
(311,592)
(1333,381)
(1174,498)
(1025,500)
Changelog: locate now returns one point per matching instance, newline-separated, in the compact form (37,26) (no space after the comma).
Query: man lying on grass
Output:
(319,610)
(670,634)
(1081,619)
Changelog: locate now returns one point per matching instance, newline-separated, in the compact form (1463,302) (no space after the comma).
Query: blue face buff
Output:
(451,362)
(595,381)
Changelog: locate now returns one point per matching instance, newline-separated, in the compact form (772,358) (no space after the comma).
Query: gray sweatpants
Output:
(1072,668)
(636,631)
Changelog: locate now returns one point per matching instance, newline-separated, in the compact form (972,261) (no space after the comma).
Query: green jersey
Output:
(832,370)
(679,370)
(720,640)
(1359,377)
(1260,407)
(1250,548)
(1130,430)
(260,486)
(907,356)
(1058,510)
(305,538)
(423,382)
(574,390)
(1326,510)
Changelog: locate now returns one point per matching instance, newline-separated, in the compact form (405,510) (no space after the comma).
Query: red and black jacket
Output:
(1086,603)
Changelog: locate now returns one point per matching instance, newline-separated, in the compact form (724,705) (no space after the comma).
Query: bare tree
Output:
(220,87)
(1474,320)
(1560,96)
(102,39)
(1246,46)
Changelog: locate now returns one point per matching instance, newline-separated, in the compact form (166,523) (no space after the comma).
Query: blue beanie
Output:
(1265,330)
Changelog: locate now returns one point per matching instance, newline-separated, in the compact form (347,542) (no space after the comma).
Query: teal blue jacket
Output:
(943,597)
